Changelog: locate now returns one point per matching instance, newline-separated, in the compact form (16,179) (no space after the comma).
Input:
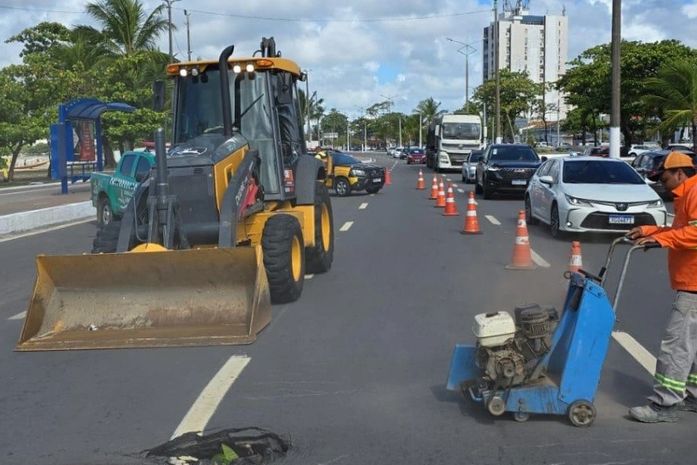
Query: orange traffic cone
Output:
(471,222)
(388,177)
(575,259)
(450,206)
(434,189)
(440,201)
(522,256)
(420,184)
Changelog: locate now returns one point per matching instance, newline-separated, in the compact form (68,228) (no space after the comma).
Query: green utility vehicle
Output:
(111,192)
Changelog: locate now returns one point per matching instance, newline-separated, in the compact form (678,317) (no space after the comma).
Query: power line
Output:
(341,20)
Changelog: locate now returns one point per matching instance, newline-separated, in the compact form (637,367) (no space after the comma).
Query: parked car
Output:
(505,167)
(347,173)
(646,165)
(680,148)
(415,155)
(638,149)
(581,194)
(469,167)
(597,151)
(111,192)
(398,152)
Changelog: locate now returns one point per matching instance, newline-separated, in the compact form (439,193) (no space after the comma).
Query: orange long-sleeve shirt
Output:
(681,237)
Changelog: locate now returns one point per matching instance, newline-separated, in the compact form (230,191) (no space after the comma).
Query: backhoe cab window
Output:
(199,113)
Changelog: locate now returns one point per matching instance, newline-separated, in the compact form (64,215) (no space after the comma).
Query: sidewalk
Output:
(26,208)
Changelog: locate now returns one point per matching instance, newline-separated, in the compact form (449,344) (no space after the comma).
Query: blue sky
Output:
(357,51)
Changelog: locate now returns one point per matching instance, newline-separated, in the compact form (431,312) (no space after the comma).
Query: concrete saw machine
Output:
(537,362)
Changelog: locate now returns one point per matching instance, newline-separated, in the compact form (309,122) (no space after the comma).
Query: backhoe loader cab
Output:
(232,218)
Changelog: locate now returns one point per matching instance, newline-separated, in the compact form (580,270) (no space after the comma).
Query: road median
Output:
(25,221)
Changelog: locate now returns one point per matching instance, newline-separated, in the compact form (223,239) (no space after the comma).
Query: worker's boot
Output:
(654,413)
(689,404)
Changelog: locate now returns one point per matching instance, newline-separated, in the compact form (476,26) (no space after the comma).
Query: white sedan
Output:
(579,194)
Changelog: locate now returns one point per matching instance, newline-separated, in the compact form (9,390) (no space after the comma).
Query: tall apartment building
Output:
(536,45)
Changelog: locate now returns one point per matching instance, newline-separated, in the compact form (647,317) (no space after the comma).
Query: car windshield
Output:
(513,153)
(599,172)
(416,152)
(461,130)
(344,159)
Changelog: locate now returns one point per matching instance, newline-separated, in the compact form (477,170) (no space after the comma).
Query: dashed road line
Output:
(19,316)
(309,276)
(539,260)
(207,402)
(492,220)
(636,350)
(363,206)
(346,226)
(461,191)
(394,164)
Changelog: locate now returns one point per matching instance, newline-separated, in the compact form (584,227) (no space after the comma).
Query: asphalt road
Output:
(355,370)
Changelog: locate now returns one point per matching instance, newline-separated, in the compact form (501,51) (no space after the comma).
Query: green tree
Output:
(674,91)
(517,94)
(335,122)
(587,84)
(42,38)
(429,109)
(125,27)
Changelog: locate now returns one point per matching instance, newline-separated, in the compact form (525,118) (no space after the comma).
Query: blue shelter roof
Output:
(89,108)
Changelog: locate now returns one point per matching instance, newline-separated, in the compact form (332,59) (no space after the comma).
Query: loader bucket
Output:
(155,299)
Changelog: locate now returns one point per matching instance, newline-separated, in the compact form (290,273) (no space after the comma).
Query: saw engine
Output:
(508,350)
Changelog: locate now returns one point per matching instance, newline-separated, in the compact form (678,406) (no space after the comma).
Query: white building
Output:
(536,45)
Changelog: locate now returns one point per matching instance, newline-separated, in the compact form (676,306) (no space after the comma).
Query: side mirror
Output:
(141,177)
(158,96)
(543,158)
(547,180)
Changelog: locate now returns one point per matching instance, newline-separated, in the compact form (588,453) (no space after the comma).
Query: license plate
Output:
(519,182)
(377,179)
(621,219)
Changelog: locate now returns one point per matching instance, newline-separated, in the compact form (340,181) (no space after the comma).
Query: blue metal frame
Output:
(572,365)
(62,137)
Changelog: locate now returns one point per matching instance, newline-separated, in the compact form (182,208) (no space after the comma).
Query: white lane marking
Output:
(539,260)
(346,226)
(309,276)
(372,195)
(492,220)
(394,164)
(636,350)
(454,186)
(19,316)
(461,191)
(45,230)
(207,402)
(363,206)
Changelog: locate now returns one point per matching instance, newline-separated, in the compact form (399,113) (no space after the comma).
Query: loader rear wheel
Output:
(107,238)
(284,260)
(318,259)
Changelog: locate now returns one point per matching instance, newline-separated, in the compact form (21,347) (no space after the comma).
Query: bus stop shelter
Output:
(79,118)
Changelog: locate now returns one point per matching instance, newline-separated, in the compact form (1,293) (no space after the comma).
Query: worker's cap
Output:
(671,161)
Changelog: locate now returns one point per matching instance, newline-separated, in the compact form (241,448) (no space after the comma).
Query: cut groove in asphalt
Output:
(539,260)
(207,402)
(19,316)
(636,350)
(346,226)
(363,206)
(492,220)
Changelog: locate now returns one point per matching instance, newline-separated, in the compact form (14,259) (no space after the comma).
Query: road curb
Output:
(33,219)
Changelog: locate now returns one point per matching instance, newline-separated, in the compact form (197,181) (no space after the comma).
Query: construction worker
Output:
(675,380)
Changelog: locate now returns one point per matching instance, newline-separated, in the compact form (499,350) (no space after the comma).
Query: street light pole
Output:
(421,124)
(169,25)
(188,35)
(615,113)
(465,50)
(497,104)
(390,99)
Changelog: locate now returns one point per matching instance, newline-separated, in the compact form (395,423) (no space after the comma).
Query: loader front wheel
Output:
(318,259)
(284,260)
(107,238)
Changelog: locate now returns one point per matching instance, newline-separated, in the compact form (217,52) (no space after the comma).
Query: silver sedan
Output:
(469,167)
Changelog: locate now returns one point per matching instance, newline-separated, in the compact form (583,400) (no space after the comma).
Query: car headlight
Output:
(357,172)
(443,156)
(655,204)
(576,201)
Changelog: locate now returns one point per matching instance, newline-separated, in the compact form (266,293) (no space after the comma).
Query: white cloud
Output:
(353,61)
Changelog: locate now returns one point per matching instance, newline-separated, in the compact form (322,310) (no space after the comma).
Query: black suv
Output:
(505,167)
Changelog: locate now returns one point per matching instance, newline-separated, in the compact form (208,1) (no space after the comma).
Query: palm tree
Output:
(125,27)
(428,109)
(674,90)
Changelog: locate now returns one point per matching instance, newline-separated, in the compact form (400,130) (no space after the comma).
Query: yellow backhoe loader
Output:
(229,220)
